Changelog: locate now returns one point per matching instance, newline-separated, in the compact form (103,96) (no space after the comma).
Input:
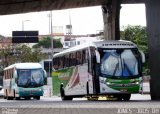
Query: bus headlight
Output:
(137,83)
(108,83)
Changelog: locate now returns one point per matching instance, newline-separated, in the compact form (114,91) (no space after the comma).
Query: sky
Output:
(84,21)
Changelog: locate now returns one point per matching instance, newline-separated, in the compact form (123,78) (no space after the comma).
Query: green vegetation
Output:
(138,35)
(46,43)
(20,53)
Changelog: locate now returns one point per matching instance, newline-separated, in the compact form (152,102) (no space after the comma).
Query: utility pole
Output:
(51,36)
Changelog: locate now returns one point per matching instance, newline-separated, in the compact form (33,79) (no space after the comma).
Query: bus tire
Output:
(9,98)
(37,97)
(126,97)
(17,98)
(63,96)
(27,98)
(119,97)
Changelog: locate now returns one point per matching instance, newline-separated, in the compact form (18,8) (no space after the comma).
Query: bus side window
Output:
(12,73)
(55,63)
(74,59)
(58,59)
(78,58)
(66,61)
(71,59)
(81,57)
(60,62)
(85,56)
(4,74)
(7,75)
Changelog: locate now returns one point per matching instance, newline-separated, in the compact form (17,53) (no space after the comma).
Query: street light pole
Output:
(23,24)
(51,36)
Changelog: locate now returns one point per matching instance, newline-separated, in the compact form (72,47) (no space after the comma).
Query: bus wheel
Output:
(126,97)
(63,96)
(9,98)
(38,97)
(17,98)
(27,98)
(5,95)
(119,97)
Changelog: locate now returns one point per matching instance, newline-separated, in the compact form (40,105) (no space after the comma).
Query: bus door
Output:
(95,71)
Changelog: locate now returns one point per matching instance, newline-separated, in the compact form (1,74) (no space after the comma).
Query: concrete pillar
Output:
(153,31)
(111,12)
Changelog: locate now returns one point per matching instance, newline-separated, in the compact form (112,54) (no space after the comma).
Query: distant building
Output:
(71,42)
(58,30)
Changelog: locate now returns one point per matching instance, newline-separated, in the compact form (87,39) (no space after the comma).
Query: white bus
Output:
(23,80)
(96,69)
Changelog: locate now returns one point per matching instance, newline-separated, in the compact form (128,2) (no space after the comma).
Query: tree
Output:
(20,53)
(138,35)
(46,43)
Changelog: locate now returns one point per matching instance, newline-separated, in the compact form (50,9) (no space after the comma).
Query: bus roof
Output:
(24,66)
(100,44)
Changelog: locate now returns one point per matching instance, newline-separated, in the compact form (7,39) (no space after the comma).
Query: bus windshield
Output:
(30,77)
(119,63)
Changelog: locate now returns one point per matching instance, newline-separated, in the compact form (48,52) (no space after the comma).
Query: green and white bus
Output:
(24,80)
(102,68)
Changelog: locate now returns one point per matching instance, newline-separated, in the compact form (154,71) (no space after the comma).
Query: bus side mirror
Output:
(97,56)
(143,56)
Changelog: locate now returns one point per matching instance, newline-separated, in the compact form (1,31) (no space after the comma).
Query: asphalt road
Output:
(139,104)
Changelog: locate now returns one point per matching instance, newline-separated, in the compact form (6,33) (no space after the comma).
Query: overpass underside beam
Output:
(111,12)
(153,30)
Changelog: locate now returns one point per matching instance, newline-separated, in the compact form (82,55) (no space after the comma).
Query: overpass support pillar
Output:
(111,12)
(153,30)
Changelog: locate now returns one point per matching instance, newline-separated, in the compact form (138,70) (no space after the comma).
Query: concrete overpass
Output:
(23,6)
(111,12)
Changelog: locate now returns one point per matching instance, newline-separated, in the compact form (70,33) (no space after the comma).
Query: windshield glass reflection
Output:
(119,62)
(30,77)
